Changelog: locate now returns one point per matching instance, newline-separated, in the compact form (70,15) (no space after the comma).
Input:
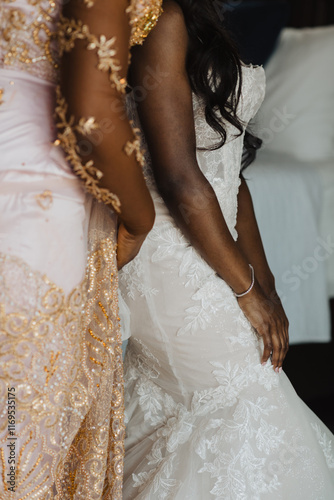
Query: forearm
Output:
(124,177)
(197,212)
(249,239)
(93,126)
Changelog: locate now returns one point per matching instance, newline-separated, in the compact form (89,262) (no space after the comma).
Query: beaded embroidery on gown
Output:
(204,419)
(61,381)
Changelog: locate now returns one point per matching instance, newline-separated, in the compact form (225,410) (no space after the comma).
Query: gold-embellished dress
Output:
(61,391)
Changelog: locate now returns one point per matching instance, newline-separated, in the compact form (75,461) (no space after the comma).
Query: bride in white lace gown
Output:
(61,385)
(210,415)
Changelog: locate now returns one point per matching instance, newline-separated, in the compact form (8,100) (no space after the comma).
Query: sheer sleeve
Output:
(93,128)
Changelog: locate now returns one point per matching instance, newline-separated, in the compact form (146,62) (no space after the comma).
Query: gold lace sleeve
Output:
(144,15)
(99,141)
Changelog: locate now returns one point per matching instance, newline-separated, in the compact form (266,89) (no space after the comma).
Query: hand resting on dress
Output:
(267,316)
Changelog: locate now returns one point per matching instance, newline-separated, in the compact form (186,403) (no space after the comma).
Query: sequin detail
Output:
(28,37)
(44,200)
(69,409)
(144,15)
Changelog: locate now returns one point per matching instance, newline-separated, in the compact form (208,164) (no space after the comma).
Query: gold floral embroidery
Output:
(70,30)
(89,3)
(51,369)
(44,200)
(69,412)
(27,38)
(1,95)
(135,147)
(144,15)
(68,140)
(36,320)
(104,340)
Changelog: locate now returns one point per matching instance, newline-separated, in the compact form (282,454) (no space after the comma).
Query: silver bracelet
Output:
(238,295)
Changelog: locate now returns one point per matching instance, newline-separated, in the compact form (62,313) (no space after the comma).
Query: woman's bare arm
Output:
(89,93)
(250,243)
(249,239)
(167,118)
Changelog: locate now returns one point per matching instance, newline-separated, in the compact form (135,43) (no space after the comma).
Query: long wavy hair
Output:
(213,65)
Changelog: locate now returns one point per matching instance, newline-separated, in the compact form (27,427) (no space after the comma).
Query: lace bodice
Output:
(222,166)
(28,32)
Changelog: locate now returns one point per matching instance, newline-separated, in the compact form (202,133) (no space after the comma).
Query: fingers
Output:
(283,335)
(280,342)
(286,332)
(268,347)
(269,320)
(275,343)
(277,355)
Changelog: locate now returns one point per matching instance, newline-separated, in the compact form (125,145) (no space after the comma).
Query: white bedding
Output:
(326,172)
(289,197)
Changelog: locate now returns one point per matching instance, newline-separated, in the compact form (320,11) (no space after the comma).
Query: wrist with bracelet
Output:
(239,295)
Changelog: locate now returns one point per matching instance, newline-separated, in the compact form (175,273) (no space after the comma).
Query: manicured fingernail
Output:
(276,369)
(264,364)
(280,370)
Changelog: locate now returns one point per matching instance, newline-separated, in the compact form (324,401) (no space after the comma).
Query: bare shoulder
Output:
(169,38)
(173,14)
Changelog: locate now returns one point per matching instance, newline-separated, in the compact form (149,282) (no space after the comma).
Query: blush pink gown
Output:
(60,356)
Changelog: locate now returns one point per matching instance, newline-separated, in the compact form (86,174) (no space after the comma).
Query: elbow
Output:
(149,222)
(139,222)
(169,188)
(185,190)
(174,191)
(145,218)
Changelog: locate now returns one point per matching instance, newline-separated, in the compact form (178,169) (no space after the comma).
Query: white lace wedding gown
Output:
(205,419)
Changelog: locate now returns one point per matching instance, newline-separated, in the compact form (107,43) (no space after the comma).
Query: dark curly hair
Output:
(213,64)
